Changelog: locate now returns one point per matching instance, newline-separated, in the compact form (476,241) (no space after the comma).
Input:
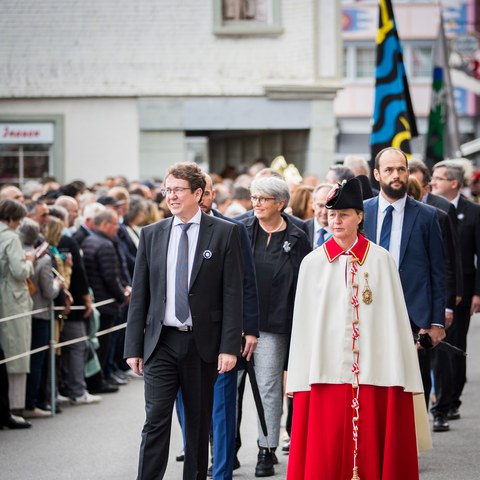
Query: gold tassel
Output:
(355,474)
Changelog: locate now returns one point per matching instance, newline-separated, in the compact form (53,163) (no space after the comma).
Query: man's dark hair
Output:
(381,152)
(190,172)
(418,166)
(79,184)
(11,210)
(70,190)
(32,206)
(342,173)
(48,179)
(50,197)
(138,204)
(241,193)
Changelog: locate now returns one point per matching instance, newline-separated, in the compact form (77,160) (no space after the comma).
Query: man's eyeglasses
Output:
(260,200)
(176,191)
(441,179)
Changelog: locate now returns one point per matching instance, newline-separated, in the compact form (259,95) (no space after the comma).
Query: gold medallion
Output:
(367,295)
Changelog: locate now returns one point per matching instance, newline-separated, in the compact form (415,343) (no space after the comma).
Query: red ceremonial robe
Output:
(322,437)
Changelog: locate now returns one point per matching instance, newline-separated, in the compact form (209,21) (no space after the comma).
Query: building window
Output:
(360,59)
(25,151)
(359,62)
(420,61)
(365,62)
(21,163)
(246,17)
(245,10)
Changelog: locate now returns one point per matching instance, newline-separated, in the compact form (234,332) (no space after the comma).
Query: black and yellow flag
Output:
(393,118)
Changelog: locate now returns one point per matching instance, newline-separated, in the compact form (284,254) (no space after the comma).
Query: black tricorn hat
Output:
(347,195)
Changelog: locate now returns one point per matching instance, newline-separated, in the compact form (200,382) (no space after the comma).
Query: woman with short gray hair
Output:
(278,249)
(272,186)
(46,289)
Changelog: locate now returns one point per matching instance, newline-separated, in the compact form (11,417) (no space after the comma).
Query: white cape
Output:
(321,344)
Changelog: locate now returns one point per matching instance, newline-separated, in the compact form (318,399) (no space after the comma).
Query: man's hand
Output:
(68,301)
(437,334)
(30,256)
(475,308)
(127,293)
(251,342)
(226,362)
(448,320)
(136,364)
(88,305)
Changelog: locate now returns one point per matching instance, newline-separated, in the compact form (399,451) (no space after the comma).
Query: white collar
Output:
(317,226)
(455,200)
(195,219)
(398,205)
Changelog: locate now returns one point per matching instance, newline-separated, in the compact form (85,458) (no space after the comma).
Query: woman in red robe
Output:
(353,368)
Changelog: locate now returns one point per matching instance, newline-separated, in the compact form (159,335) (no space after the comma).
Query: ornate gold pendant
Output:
(367,295)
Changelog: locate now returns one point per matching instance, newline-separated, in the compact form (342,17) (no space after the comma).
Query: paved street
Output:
(100,442)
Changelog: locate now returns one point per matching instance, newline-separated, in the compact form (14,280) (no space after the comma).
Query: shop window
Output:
(21,163)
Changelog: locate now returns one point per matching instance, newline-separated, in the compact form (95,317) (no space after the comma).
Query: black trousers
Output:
(425,360)
(443,379)
(4,402)
(458,337)
(95,381)
(176,363)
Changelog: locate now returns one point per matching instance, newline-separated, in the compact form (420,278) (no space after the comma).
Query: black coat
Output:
(468,215)
(215,290)
(80,235)
(103,271)
(78,281)
(285,277)
(250,294)
(127,250)
(456,262)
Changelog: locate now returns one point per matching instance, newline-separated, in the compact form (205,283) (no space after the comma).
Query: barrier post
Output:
(53,394)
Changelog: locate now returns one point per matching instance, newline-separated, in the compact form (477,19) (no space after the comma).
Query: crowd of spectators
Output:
(74,245)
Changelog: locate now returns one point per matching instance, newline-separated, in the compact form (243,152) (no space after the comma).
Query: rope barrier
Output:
(20,315)
(64,344)
(55,345)
(59,309)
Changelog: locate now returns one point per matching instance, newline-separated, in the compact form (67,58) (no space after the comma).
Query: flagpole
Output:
(452,120)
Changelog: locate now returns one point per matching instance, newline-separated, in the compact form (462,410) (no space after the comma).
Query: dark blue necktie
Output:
(386,228)
(321,237)
(182,309)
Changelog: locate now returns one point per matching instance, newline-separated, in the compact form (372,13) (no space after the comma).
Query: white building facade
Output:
(417,24)
(90,89)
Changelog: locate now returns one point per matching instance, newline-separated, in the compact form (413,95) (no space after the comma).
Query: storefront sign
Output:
(19,133)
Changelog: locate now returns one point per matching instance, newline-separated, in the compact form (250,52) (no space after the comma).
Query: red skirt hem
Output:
(321,444)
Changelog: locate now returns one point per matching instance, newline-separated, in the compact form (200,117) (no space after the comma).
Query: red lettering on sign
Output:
(12,133)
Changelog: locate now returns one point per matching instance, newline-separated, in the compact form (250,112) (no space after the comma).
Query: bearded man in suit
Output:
(410,231)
